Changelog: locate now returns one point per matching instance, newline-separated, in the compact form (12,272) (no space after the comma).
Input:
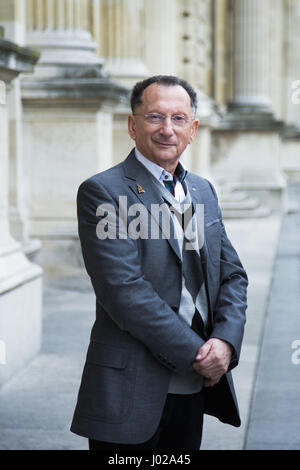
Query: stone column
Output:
(119,29)
(68,123)
(122,41)
(290,160)
(292,67)
(247,145)
(20,280)
(162,36)
(12,14)
(277,53)
(251,54)
(60,30)
(195,52)
(219,67)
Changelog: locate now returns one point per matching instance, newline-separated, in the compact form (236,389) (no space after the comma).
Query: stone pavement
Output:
(275,417)
(36,406)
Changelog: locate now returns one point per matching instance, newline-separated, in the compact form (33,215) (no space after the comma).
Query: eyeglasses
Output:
(156,119)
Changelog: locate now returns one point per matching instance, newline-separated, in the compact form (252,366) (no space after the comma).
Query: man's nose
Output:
(167,126)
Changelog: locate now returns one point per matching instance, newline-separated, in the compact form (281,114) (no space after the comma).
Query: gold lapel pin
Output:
(140,189)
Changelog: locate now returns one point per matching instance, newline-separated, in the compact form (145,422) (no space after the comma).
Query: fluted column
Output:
(60,29)
(246,140)
(12,15)
(161,36)
(219,68)
(195,52)
(251,53)
(9,248)
(122,41)
(4,231)
(276,63)
(20,280)
(68,106)
(292,83)
(290,151)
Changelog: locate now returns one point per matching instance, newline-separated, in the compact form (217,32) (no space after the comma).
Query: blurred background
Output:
(66,71)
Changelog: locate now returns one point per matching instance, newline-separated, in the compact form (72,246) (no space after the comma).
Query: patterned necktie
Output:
(179,175)
(170,185)
(191,262)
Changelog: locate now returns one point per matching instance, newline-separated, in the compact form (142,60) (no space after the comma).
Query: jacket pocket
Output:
(107,385)
(106,355)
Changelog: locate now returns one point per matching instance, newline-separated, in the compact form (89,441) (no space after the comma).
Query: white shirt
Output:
(161,174)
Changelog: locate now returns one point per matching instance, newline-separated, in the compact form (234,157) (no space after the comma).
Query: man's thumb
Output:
(203,351)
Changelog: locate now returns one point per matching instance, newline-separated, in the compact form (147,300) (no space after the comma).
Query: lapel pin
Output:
(140,189)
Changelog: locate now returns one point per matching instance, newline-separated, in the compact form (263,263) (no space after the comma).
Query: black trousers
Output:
(180,427)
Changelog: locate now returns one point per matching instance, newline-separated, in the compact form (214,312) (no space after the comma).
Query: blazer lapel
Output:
(140,182)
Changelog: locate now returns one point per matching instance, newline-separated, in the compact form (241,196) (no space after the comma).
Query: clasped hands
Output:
(212,360)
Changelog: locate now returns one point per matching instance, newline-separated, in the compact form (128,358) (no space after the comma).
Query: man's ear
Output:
(194,129)
(131,127)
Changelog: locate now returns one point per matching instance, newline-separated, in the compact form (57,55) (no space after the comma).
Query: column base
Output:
(20,310)
(249,117)
(238,204)
(249,161)
(289,153)
(65,54)
(126,71)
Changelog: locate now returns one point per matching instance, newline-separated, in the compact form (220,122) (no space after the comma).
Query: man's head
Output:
(163,118)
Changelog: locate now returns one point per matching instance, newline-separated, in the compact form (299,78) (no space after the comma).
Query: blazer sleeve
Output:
(230,310)
(122,290)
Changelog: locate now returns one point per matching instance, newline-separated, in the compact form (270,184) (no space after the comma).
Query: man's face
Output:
(165,142)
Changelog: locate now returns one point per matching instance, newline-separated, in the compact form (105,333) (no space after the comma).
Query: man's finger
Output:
(203,351)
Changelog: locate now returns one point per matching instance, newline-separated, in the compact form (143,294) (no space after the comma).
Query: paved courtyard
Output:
(36,406)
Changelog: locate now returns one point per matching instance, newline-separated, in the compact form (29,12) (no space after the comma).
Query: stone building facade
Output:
(66,69)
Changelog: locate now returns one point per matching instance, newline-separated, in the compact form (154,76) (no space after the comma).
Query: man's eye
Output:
(178,118)
(155,116)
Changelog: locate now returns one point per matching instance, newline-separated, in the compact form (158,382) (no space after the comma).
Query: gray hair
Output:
(166,80)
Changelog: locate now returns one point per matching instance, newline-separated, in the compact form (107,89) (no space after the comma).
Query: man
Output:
(170,310)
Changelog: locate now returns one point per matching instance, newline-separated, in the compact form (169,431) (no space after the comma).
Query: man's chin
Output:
(166,151)
(166,155)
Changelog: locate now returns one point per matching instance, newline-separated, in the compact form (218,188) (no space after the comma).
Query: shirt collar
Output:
(160,173)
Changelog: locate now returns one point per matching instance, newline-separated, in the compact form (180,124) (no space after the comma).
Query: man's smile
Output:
(164,144)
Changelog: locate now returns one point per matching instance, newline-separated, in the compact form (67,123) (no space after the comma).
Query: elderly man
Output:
(170,308)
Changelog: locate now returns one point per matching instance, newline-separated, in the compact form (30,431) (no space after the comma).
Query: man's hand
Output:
(212,360)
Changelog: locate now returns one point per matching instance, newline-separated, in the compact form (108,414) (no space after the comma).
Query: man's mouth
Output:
(164,144)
